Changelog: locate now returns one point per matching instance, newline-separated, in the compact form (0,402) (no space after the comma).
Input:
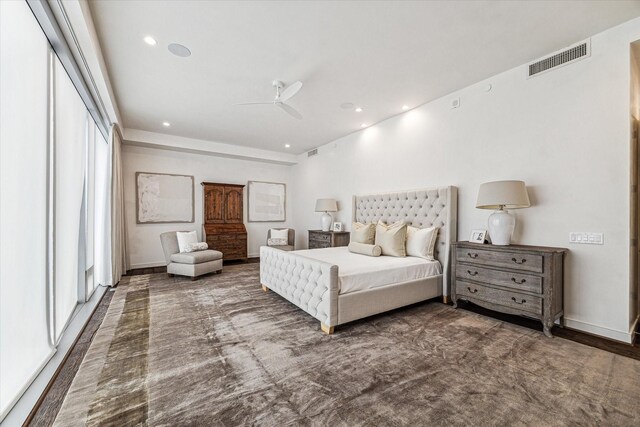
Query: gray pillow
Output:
(364,249)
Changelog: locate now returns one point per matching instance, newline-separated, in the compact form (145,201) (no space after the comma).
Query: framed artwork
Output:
(266,201)
(164,198)
(337,226)
(478,236)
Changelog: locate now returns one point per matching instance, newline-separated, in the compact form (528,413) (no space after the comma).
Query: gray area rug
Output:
(220,352)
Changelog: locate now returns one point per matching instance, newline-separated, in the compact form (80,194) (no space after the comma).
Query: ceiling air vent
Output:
(572,54)
(312,152)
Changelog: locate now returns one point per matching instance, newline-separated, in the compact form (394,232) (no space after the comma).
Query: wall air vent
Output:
(567,56)
(312,152)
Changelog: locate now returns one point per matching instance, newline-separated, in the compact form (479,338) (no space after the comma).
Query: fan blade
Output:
(290,110)
(256,103)
(290,90)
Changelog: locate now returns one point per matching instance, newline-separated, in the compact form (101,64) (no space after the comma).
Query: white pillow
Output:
(421,242)
(185,238)
(194,247)
(280,234)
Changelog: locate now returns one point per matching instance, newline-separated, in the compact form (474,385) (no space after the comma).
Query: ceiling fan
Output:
(281,97)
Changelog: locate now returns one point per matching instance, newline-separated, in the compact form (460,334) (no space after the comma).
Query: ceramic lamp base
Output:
(501,226)
(326,221)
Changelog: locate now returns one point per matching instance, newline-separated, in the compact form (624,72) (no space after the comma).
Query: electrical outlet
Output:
(586,238)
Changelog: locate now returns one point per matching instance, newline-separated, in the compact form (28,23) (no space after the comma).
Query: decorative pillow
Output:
(363,233)
(364,249)
(421,242)
(391,238)
(277,242)
(193,247)
(186,237)
(280,234)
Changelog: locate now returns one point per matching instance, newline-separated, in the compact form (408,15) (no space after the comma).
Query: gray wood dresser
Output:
(328,239)
(515,279)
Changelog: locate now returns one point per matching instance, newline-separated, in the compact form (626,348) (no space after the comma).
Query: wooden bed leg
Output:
(445,299)
(327,329)
(264,288)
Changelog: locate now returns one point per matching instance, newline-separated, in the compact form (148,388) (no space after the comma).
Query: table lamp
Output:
(499,196)
(326,206)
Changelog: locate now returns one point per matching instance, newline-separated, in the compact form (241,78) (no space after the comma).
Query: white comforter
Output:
(360,272)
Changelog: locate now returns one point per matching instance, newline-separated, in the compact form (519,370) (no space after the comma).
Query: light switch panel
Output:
(586,238)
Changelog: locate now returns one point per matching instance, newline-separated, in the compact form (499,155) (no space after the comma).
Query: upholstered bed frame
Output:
(313,285)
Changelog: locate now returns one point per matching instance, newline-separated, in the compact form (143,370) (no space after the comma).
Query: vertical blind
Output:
(54,201)
(24,335)
(70,124)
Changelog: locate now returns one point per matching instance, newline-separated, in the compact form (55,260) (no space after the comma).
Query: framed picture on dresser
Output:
(266,201)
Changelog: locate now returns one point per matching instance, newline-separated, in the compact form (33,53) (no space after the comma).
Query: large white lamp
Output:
(326,206)
(501,195)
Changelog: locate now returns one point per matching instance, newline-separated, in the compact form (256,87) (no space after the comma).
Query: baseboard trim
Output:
(613,334)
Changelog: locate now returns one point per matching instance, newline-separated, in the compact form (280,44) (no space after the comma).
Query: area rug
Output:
(220,352)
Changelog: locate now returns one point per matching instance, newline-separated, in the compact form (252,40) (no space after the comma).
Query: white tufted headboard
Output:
(419,208)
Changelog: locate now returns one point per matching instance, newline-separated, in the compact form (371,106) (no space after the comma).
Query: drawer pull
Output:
(472,273)
(472,255)
(518,302)
(513,279)
(473,291)
(516,261)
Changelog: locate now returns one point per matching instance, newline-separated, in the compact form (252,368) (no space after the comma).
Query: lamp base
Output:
(326,221)
(501,226)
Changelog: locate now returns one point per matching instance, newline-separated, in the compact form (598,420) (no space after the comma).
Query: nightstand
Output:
(328,239)
(514,279)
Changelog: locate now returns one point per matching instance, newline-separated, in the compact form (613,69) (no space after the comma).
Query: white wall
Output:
(143,239)
(565,133)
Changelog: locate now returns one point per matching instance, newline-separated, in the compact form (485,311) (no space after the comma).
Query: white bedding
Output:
(360,272)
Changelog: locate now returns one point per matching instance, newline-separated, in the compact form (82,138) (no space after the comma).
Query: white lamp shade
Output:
(503,194)
(326,205)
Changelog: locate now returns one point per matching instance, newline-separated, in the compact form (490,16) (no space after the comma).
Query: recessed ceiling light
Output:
(166,124)
(287,145)
(346,105)
(364,125)
(359,110)
(150,40)
(179,50)
(405,107)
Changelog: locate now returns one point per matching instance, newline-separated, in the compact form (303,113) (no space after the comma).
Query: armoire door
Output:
(233,205)
(214,211)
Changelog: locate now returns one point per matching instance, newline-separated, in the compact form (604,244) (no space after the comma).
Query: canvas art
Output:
(164,198)
(266,201)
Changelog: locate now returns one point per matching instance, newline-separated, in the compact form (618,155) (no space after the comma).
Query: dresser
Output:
(328,239)
(515,279)
(223,226)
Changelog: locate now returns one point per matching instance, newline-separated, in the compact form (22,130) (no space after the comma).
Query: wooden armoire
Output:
(223,214)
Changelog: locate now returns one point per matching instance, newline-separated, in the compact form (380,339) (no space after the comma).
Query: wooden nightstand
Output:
(328,239)
(515,279)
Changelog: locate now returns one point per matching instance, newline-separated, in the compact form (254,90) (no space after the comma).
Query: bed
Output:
(337,287)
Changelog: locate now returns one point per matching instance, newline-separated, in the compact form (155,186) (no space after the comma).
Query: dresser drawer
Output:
(513,260)
(516,300)
(516,281)
(318,244)
(320,237)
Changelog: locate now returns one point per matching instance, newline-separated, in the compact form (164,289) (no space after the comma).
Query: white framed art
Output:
(164,198)
(266,201)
